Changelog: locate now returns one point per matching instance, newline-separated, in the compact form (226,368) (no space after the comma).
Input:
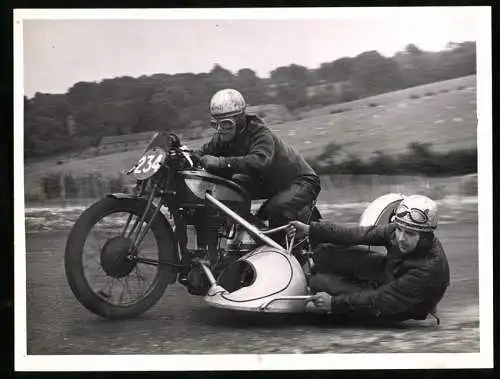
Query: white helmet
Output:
(227,102)
(417,213)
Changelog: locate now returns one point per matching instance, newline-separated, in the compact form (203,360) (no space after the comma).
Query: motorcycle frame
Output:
(168,199)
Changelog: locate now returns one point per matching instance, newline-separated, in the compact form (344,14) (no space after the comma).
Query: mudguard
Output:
(380,212)
(122,195)
(276,283)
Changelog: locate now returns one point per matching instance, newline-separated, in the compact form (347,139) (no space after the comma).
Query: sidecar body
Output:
(264,280)
(268,279)
(379,212)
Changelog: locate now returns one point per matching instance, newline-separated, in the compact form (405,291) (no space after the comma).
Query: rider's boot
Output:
(183,273)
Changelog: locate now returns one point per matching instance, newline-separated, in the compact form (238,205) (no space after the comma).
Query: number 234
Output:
(148,163)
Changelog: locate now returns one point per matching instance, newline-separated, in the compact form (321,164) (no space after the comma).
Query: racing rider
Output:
(244,149)
(407,283)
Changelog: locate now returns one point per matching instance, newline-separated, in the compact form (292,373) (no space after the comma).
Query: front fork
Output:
(140,229)
(137,234)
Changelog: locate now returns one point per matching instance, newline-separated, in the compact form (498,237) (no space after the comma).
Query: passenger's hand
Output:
(301,230)
(210,162)
(322,301)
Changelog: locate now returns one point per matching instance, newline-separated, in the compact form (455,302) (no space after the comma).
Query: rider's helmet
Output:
(227,103)
(418,213)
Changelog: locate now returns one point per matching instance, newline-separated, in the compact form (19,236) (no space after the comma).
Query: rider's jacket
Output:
(257,151)
(411,284)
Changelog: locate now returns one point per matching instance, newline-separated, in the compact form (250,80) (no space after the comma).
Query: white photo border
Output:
(484,359)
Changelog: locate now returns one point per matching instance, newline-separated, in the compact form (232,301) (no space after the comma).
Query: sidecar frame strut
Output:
(240,220)
(265,306)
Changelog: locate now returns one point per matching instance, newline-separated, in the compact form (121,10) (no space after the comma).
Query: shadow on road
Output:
(228,319)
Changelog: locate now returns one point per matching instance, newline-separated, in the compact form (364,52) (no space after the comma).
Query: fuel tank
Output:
(195,183)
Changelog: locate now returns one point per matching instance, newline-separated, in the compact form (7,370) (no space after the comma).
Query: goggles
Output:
(224,123)
(416,215)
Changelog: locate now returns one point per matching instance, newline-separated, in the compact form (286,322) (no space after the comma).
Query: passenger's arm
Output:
(324,232)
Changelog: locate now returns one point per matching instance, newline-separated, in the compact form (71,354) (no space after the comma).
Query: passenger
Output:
(407,283)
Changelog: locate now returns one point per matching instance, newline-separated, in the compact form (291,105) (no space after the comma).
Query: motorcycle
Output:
(232,257)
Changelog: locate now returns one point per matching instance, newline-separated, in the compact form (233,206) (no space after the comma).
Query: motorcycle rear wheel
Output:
(112,264)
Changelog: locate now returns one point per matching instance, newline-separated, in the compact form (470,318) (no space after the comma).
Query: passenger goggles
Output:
(224,123)
(416,215)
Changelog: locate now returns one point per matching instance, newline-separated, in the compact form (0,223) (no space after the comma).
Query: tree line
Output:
(77,119)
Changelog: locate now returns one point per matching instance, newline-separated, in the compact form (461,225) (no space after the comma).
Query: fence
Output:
(335,188)
(64,186)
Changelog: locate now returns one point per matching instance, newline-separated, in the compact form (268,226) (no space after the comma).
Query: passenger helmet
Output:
(227,103)
(417,213)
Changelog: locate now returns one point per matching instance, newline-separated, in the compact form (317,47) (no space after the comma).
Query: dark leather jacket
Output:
(412,283)
(258,152)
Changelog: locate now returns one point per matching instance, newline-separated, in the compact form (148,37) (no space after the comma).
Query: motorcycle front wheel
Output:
(98,263)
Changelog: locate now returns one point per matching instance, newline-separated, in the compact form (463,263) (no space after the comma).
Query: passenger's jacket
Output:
(413,285)
(258,152)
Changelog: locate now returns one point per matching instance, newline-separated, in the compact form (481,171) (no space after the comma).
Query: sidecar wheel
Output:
(97,271)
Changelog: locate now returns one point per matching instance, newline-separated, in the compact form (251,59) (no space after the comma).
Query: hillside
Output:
(442,113)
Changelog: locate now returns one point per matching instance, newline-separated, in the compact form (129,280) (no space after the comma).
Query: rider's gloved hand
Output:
(301,230)
(196,157)
(211,163)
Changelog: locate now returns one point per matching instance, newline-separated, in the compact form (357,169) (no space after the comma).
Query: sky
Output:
(61,50)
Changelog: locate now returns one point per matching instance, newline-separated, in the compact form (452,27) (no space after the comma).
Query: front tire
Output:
(85,290)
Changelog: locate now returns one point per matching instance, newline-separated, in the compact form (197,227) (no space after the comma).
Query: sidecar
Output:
(264,280)
(270,279)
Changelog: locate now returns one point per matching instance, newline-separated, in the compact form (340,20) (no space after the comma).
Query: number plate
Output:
(149,163)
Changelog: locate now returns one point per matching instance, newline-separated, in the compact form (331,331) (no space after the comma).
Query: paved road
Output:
(181,323)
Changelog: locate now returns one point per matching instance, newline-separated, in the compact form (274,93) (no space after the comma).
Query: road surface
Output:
(183,324)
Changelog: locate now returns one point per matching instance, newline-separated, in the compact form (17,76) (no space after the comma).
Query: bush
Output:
(117,184)
(334,111)
(330,151)
(353,165)
(56,186)
(51,185)
(383,164)
(340,110)
(469,186)
(71,186)
(372,105)
(430,93)
(419,160)
(414,96)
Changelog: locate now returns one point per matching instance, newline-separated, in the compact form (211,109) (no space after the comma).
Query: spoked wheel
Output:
(106,273)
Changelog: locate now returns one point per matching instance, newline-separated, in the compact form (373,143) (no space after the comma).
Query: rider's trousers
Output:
(292,203)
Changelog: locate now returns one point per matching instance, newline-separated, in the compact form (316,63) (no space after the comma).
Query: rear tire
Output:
(74,266)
